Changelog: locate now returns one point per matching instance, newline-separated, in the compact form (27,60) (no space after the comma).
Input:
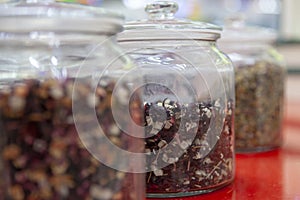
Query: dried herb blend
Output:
(259,105)
(42,154)
(191,171)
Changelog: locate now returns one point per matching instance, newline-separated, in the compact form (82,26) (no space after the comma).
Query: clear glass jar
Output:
(188,97)
(259,84)
(62,80)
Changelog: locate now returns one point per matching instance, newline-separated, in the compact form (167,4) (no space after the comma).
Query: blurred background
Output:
(281,15)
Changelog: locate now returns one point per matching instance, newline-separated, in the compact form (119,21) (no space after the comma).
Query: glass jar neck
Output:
(167,43)
(245,47)
(251,53)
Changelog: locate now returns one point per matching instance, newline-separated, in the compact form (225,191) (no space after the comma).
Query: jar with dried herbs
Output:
(188,97)
(63,79)
(259,84)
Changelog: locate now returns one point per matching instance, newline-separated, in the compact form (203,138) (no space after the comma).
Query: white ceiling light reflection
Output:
(34,62)
(54,61)
(268,6)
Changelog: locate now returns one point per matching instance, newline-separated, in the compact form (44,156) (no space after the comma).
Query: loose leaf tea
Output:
(198,164)
(42,154)
(259,104)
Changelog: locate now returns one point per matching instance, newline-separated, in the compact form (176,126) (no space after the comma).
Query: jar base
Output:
(187,194)
(256,149)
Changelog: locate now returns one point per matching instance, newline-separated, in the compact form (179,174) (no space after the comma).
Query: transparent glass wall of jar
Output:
(259,84)
(188,101)
(62,79)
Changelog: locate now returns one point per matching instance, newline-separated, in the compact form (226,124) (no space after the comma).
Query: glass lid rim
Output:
(49,17)
(54,10)
(181,26)
(175,23)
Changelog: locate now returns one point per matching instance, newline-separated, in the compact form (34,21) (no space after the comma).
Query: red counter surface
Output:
(270,175)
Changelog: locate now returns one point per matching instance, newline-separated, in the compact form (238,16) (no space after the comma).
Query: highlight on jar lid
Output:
(236,30)
(162,24)
(47,15)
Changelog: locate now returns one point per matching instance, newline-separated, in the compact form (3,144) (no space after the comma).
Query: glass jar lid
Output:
(161,24)
(47,15)
(236,30)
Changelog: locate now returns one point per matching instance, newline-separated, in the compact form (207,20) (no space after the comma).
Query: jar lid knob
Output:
(161,10)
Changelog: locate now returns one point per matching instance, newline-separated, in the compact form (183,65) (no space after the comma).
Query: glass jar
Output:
(63,79)
(188,97)
(259,84)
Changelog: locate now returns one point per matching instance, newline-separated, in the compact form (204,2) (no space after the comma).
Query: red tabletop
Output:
(270,175)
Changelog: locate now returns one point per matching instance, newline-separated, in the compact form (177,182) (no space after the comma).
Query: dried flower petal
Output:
(11,152)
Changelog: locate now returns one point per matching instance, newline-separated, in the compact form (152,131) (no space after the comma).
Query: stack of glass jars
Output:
(188,97)
(62,79)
